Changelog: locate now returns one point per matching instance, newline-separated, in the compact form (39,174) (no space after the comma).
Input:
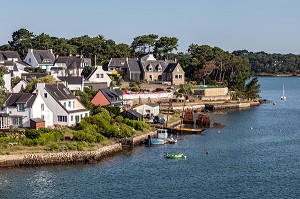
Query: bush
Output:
(71,146)
(80,146)
(53,146)
(32,133)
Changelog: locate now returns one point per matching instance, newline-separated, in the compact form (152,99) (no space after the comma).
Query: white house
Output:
(98,79)
(21,107)
(70,65)
(150,108)
(73,83)
(40,58)
(67,109)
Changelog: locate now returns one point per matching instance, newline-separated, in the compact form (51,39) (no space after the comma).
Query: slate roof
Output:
(135,113)
(117,62)
(37,120)
(44,56)
(170,68)
(72,62)
(4,55)
(118,91)
(155,64)
(59,91)
(134,65)
(111,95)
(23,63)
(33,75)
(71,79)
(13,99)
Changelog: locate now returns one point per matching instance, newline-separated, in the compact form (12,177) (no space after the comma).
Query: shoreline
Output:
(47,158)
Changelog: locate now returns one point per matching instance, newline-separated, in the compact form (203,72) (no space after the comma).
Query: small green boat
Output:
(175,156)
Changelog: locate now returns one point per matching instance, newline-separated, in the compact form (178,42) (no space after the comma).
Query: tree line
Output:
(276,64)
(202,63)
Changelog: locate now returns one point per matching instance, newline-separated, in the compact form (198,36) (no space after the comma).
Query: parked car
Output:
(159,119)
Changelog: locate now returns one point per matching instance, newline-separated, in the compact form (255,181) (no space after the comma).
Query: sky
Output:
(272,26)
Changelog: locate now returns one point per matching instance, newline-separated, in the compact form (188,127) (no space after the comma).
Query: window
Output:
(150,68)
(42,107)
(62,118)
(45,95)
(69,104)
(159,69)
(73,104)
(65,104)
(16,121)
(176,76)
(21,107)
(29,60)
(101,75)
(180,76)
(86,114)
(71,118)
(178,69)
(97,75)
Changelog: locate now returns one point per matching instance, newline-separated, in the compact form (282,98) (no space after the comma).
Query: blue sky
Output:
(256,25)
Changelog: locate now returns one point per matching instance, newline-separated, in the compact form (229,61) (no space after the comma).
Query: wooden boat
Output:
(175,156)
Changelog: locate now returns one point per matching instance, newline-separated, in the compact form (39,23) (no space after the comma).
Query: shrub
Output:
(80,146)
(32,133)
(52,146)
(71,146)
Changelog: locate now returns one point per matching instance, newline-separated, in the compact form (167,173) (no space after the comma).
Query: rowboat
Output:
(175,156)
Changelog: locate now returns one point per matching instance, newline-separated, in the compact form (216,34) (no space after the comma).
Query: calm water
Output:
(256,155)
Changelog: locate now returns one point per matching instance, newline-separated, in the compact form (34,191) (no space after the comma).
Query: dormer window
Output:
(159,69)
(150,68)
(29,60)
(178,70)
(21,107)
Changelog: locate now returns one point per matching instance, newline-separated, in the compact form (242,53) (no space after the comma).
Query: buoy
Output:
(206,151)
(251,128)
(218,131)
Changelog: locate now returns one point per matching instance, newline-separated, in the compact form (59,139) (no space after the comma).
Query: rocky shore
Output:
(58,158)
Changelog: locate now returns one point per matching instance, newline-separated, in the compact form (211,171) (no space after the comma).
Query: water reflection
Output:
(41,184)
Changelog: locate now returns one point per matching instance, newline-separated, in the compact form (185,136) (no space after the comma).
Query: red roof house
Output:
(100,100)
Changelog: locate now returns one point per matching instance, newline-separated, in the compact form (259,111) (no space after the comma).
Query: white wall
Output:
(7,79)
(37,111)
(143,109)
(18,87)
(100,71)
(137,95)
(33,62)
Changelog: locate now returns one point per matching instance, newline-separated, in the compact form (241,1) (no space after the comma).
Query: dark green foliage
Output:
(32,133)
(115,110)
(264,63)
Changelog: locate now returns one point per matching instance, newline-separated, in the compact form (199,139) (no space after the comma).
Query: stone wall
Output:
(58,158)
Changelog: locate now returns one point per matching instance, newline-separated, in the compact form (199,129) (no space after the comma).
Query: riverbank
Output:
(67,157)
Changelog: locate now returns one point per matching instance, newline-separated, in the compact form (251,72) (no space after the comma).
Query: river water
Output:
(256,155)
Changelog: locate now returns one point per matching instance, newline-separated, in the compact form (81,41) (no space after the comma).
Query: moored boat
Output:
(175,156)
